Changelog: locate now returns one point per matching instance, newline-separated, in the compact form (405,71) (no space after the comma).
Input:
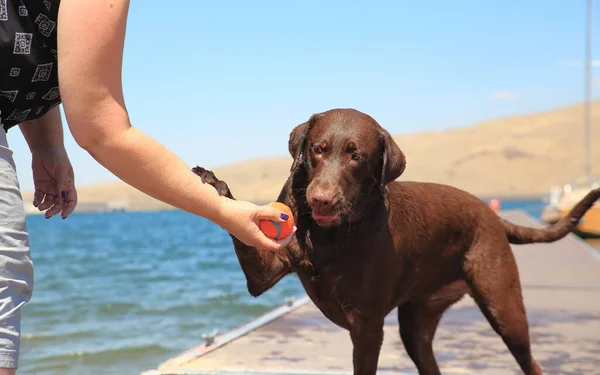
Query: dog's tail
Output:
(518,234)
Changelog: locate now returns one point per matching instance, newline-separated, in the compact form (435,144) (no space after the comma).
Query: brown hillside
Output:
(521,155)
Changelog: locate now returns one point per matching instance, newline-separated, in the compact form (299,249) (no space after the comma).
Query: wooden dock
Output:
(561,285)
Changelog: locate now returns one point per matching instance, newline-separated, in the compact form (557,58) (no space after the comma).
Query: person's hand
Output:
(240,218)
(54,182)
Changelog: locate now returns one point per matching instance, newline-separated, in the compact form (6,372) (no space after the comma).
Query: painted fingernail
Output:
(284,216)
(63,194)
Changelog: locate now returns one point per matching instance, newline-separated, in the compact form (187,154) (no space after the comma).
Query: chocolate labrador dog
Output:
(367,244)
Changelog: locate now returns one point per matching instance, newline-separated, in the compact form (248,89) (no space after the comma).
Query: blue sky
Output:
(220,82)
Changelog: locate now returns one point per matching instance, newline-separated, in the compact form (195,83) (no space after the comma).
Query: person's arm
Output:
(53,176)
(91,36)
(45,132)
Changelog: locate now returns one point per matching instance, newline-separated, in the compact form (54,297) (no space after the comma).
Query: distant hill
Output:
(520,155)
(509,157)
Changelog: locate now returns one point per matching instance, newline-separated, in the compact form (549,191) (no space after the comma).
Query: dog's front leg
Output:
(262,268)
(367,338)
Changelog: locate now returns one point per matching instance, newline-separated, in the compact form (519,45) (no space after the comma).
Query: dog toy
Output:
(278,230)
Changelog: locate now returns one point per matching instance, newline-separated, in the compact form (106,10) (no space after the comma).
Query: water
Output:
(122,292)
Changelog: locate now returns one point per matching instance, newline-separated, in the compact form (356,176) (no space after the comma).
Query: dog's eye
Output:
(356,156)
(318,149)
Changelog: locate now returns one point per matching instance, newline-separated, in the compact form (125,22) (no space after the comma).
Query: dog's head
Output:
(348,158)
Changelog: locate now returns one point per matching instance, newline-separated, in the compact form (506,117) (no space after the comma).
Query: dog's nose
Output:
(322,200)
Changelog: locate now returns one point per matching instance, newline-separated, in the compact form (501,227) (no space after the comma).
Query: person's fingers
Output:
(47,203)
(38,197)
(265,243)
(285,241)
(55,209)
(62,182)
(70,203)
(270,245)
(275,245)
(271,213)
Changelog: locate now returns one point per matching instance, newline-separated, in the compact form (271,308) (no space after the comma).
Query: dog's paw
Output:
(208,177)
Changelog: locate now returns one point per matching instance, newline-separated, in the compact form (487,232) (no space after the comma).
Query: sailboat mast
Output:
(588,90)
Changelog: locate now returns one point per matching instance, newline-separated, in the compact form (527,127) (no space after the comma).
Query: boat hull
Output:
(589,225)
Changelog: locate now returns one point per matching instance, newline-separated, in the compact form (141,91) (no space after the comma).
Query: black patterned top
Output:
(28,60)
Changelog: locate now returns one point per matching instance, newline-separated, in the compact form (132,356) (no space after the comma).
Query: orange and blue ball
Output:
(278,230)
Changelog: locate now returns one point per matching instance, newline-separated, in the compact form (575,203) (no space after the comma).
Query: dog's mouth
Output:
(325,218)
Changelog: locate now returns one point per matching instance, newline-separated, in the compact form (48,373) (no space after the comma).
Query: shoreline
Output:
(120,206)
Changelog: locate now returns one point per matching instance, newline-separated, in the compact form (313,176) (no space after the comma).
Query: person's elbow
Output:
(95,122)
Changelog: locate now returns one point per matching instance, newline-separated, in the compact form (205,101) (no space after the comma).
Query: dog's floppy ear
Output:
(296,144)
(297,137)
(393,159)
(297,141)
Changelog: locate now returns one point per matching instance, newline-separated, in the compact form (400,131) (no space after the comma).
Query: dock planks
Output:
(561,287)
